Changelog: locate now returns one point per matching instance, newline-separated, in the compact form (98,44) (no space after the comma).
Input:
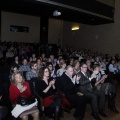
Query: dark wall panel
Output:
(44,29)
(0,25)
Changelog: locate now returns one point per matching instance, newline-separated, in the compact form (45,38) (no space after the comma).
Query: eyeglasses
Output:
(84,67)
(50,66)
(46,71)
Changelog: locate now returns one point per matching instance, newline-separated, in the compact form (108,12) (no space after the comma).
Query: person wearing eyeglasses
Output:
(45,88)
(92,95)
(52,69)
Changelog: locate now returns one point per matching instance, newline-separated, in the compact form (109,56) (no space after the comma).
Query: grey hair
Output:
(69,66)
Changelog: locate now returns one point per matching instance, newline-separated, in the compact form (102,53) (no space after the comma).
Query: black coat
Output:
(66,86)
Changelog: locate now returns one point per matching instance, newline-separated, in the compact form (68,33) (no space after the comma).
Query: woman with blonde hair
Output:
(19,88)
(76,66)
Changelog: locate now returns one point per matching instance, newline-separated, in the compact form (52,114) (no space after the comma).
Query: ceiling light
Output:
(56,13)
(75,28)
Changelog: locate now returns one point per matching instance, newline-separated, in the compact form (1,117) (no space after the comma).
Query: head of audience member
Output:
(112,61)
(30,59)
(39,62)
(97,59)
(33,55)
(69,70)
(43,55)
(117,56)
(63,65)
(50,66)
(88,62)
(33,66)
(17,78)
(49,60)
(96,67)
(43,73)
(14,69)
(16,58)
(76,64)
(52,57)
(83,67)
(71,61)
(24,61)
(61,60)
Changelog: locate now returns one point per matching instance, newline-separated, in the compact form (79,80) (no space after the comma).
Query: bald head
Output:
(69,70)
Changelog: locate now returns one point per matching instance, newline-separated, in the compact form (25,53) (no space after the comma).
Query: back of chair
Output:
(24,74)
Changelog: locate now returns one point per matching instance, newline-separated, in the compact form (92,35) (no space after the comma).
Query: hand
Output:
(23,89)
(93,75)
(75,76)
(0,97)
(104,76)
(80,94)
(78,77)
(53,82)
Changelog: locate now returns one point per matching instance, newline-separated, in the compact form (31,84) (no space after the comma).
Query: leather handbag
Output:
(25,101)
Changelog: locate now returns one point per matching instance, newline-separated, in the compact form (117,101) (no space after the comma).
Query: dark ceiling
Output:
(38,8)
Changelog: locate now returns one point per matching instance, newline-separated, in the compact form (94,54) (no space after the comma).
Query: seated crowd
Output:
(59,80)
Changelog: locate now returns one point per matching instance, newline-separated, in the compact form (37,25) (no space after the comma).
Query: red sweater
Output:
(15,92)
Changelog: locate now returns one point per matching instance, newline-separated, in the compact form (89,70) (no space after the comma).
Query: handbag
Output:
(25,101)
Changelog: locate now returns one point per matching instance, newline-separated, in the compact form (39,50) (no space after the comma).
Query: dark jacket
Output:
(66,86)
(85,83)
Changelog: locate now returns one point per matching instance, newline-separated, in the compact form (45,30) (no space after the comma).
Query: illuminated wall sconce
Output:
(75,28)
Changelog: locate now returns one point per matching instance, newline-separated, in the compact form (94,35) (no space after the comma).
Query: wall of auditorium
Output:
(32,22)
(102,38)
(55,31)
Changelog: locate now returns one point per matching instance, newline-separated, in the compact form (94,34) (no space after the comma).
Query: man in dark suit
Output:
(96,97)
(67,85)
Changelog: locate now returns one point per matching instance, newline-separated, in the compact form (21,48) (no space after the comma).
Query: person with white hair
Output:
(67,85)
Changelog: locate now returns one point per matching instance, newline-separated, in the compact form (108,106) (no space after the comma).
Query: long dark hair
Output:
(41,72)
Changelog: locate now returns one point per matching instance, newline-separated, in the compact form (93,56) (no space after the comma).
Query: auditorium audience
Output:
(16,56)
